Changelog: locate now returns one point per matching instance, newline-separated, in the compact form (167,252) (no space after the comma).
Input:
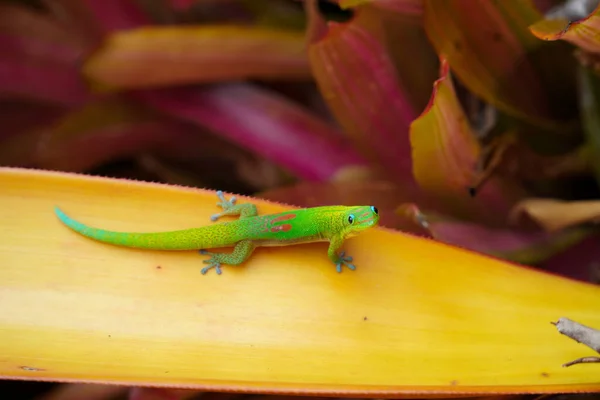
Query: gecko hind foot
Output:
(213,264)
(344,261)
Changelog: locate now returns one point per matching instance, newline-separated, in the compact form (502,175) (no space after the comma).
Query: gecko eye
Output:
(350,219)
(374,209)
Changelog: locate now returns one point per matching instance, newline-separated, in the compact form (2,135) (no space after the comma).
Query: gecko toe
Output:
(343,259)
(216,266)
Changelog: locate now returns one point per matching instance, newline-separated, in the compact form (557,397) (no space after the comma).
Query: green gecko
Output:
(317,224)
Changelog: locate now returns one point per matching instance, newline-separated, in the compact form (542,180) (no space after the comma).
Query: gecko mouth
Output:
(366,221)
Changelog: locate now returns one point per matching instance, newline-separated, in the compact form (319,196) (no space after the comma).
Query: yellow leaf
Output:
(446,154)
(416,316)
(554,215)
(582,33)
(484,42)
(163,56)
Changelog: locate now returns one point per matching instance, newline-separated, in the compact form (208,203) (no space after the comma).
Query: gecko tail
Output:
(68,221)
(187,239)
(88,231)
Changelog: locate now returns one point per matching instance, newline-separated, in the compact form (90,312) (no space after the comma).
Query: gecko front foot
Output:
(213,263)
(344,261)
(224,204)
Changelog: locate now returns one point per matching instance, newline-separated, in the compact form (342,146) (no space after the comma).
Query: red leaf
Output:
(526,247)
(264,122)
(358,81)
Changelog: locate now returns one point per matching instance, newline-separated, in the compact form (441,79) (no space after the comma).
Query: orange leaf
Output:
(584,33)
(446,153)
(488,46)
(284,322)
(554,215)
(405,7)
(161,56)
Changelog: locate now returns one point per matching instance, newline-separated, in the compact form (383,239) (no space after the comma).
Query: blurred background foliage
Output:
(472,122)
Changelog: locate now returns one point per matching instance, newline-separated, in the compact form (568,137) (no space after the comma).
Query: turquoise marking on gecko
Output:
(333,224)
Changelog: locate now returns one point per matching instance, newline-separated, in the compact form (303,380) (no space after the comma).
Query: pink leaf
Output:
(39,58)
(358,80)
(264,122)
(526,247)
(117,15)
(90,136)
(53,83)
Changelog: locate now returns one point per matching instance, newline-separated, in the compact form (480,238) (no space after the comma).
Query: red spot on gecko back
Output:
(274,225)
(281,228)
(282,218)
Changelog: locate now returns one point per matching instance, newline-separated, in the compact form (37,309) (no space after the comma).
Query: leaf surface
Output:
(357,79)
(584,33)
(162,56)
(491,50)
(446,159)
(284,322)
(265,122)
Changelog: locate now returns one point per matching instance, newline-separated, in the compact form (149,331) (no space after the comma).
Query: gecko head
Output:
(357,219)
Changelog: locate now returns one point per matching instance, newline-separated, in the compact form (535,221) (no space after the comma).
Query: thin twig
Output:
(583,360)
(581,334)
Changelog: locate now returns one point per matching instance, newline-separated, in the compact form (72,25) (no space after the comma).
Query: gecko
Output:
(333,224)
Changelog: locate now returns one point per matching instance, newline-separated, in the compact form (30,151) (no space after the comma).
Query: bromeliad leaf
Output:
(266,123)
(555,215)
(489,47)
(405,7)
(589,95)
(39,59)
(522,246)
(446,154)
(409,293)
(404,39)
(161,56)
(584,33)
(115,15)
(358,80)
(85,138)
